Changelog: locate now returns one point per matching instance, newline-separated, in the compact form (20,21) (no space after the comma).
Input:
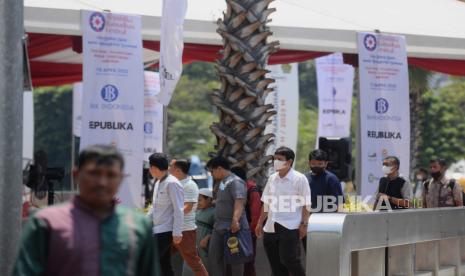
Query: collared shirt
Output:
(230,189)
(191,195)
(167,211)
(440,194)
(284,199)
(70,239)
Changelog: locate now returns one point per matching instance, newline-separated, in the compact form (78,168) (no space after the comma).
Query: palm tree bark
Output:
(244,87)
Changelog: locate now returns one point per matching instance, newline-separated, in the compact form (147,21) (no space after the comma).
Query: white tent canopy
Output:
(433,28)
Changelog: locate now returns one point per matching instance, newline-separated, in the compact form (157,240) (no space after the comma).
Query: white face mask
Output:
(279,165)
(387,170)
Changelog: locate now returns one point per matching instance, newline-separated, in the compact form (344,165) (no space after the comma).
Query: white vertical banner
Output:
(171,47)
(335,88)
(77,108)
(384,106)
(285,98)
(153,115)
(113,98)
(28,127)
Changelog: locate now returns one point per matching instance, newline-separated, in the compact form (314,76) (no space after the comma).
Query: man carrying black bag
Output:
(231,240)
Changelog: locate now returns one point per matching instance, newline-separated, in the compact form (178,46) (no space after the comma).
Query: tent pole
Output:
(11,127)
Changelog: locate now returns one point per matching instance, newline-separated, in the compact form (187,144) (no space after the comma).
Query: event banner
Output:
(77,108)
(285,99)
(384,106)
(153,115)
(28,127)
(171,47)
(113,92)
(335,82)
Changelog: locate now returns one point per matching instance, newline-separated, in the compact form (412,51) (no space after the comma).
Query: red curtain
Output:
(47,74)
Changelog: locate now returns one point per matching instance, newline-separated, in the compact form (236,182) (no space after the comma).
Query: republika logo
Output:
(97,21)
(148,127)
(381,106)
(370,42)
(109,93)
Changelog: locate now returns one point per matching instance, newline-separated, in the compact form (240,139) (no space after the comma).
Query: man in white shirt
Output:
(179,168)
(167,211)
(287,201)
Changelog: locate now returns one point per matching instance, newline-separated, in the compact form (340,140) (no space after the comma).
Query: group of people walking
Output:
(213,230)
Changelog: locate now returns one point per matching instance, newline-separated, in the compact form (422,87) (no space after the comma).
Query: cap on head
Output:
(206,192)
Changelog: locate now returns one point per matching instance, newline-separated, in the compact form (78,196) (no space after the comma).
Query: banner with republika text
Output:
(285,98)
(335,82)
(113,93)
(384,106)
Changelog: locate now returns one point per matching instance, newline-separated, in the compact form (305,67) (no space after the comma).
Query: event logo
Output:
(109,93)
(97,22)
(148,127)
(384,134)
(370,42)
(381,106)
(372,156)
(110,125)
(384,152)
(372,178)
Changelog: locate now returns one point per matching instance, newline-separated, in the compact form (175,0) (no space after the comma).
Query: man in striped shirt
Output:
(89,235)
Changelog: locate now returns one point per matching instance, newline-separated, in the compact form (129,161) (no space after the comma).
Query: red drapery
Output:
(47,73)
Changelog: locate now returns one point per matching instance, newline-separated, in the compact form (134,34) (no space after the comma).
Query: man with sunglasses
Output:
(89,235)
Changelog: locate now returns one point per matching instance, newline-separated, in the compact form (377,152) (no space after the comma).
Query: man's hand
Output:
(177,239)
(383,197)
(235,226)
(204,242)
(259,230)
(303,230)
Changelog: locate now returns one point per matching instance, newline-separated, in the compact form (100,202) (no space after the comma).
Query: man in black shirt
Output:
(394,191)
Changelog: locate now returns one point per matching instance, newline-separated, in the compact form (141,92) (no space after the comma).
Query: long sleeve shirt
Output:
(69,239)
(167,210)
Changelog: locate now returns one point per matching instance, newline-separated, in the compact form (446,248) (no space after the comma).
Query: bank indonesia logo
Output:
(109,93)
(148,127)
(97,21)
(381,105)
(370,42)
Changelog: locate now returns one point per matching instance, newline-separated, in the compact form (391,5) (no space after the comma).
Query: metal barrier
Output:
(409,242)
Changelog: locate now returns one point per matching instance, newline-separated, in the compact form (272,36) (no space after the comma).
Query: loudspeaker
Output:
(339,152)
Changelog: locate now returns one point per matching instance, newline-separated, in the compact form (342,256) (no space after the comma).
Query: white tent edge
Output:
(67,22)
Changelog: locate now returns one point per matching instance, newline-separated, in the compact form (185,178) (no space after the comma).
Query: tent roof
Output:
(433,28)
(306,29)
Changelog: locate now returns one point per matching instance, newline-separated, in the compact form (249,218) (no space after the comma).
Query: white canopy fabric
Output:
(433,28)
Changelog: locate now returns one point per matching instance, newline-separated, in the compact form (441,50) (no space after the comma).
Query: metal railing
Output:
(408,242)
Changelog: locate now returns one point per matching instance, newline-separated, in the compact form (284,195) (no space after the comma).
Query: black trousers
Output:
(164,241)
(283,251)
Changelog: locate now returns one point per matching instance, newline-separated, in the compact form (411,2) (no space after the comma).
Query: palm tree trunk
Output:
(244,87)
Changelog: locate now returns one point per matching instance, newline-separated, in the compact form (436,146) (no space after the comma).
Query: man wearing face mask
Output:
(325,187)
(286,209)
(441,191)
(394,191)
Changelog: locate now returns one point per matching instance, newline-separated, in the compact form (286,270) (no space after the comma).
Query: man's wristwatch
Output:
(304,223)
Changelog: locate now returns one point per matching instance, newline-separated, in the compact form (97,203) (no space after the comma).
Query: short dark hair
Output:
(100,154)
(441,161)
(422,170)
(239,171)
(182,164)
(159,160)
(219,161)
(286,152)
(318,154)
(394,159)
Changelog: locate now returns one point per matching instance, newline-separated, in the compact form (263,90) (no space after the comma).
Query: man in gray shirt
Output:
(230,216)
(167,211)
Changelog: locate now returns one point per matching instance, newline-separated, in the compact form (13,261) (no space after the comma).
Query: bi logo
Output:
(148,127)
(370,42)
(381,106)
(97,21)
(109,93)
